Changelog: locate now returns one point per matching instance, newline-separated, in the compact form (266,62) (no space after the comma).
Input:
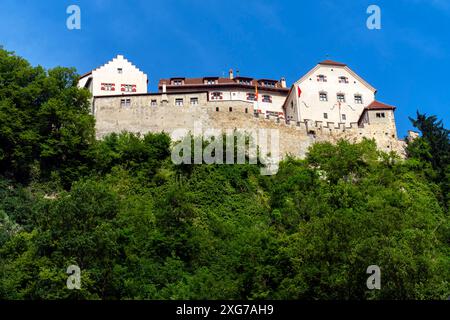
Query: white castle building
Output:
(118,76)
(329,102)
(332,93)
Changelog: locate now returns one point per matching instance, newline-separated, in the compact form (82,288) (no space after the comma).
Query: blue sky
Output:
(407,60)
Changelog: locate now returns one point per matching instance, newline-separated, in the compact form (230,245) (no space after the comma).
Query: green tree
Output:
(433,147)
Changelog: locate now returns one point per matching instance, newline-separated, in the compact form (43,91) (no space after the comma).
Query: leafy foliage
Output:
(140,227)
(433,150)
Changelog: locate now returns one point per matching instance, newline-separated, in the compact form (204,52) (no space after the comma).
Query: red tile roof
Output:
(332,63)
(86,74)
(377,105)
(200,83)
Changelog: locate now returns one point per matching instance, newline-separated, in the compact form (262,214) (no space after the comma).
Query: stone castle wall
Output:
(295,138)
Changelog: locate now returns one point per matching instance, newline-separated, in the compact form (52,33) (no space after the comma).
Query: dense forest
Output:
(140,227)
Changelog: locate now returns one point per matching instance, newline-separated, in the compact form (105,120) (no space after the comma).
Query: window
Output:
(210,81)
(246,110)
(340,97)
(325,115)
(251,97)
(323,96)
(268,83)
(119,70)
(216,95)
(245,81)
(108,87)
(125,102)
(358,99)
(128,87)
(380,115)
(217,109)
(321,78)
(194,101)
(230,109)
(266,98)
(177,82)
(343,80)
(153,103)
(179,102)
(344,117)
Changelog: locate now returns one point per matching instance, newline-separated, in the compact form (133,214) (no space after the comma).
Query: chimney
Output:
(230,73)
(164,98)
(283,82)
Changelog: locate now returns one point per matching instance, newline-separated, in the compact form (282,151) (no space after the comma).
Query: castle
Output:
(328,103)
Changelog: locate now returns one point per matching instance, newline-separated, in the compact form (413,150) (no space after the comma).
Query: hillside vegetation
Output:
(140,227)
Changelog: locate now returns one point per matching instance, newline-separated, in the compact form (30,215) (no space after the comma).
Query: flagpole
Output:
(299,92)
(256,96)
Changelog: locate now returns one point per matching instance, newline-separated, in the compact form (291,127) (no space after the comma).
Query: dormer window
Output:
(321,78)
(343,80)
(245,81)
(267,83)
(210,81)
(177,82)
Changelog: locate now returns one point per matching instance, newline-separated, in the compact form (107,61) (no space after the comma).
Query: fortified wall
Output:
(159,113)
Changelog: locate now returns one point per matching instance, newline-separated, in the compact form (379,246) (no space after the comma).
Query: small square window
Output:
(179,102)
(251,97)
(153,103)
(323,96)
(358,99)
(230,109)
(343,80)
(125,102)
(119,70)
(344,117)
(266,98)
(325,115)
(194,101)
(340,97)
(380,115)
(216,95)
(108,86)
(321,78)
